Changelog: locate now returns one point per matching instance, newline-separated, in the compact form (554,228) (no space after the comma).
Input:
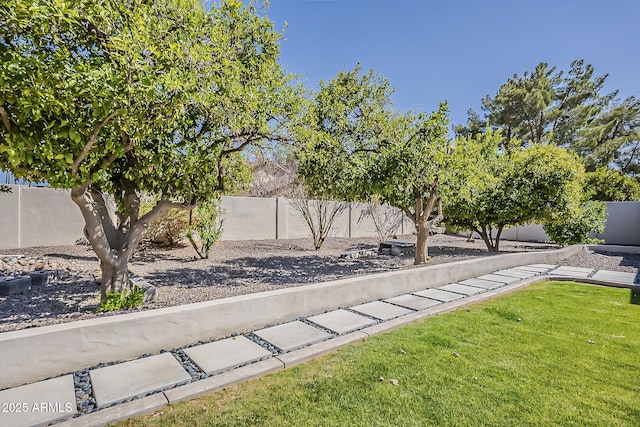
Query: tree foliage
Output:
(576,229)
(135,97)
(540,183)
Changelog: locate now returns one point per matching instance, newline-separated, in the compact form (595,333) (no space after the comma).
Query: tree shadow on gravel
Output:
(72,257)
(278,270)
(44,302)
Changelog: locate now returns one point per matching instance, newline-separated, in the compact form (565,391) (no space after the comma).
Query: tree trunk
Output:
(423,226)
(115,243)
(422,251)
(493,244)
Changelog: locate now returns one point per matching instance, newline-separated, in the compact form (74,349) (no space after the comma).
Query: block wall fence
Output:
(32,216)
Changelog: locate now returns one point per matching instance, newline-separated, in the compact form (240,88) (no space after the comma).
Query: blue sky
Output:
(456,50)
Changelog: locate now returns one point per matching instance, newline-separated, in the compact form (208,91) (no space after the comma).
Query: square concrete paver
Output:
(439,294)
(532,269)
(341,321)
(479,283)
(125,380)
(462,289)
(572,271)
(292,335)
(518,274)
(413,301)
(224,355)
(497,278)
(615,277)
(547,266)
(381,310)
(38,403)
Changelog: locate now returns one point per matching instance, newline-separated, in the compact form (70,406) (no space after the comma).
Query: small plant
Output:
(5,188)
(122,300)
(206,225)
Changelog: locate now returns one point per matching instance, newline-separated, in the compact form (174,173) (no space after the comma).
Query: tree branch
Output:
(5,118)
(160,210)
(93,139)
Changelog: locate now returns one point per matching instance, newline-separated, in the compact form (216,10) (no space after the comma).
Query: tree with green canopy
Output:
(124,98)
(537,183)
(358,147)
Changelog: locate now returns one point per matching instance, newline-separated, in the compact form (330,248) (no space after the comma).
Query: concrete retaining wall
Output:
(33,354)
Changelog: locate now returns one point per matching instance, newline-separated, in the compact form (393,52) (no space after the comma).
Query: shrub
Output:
(122,300)
(576,229)
(205,225)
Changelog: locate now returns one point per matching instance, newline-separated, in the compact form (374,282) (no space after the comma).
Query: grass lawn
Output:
(554,354)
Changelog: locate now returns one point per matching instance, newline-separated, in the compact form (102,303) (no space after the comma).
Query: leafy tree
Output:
(609,185)
(540,183)
(358,147)
(575,229)
(407,172)
(135,97)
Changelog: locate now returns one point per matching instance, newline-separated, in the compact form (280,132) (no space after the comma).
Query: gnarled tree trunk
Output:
(115,239)
(493,243)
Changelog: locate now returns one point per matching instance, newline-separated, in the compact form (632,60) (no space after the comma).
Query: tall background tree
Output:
(124,98)
(568,109)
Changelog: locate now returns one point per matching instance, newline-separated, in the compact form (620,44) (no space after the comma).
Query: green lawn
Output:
(554,354)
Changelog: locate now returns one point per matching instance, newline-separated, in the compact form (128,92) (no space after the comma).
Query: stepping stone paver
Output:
(539,270)
(497,278)
(381,310)
(572,271)
(38,403)
(341,321)
(224,355)
(479,283)
(462,289)
(615,277)
(126,380)
(518,274)
(413,302)
(547,266)
(439,294)
(292,335)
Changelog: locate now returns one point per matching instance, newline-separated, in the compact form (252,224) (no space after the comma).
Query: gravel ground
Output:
(238,268)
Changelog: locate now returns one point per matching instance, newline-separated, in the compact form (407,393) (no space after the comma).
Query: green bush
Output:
(122,300)
(205,224)
(576,229)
